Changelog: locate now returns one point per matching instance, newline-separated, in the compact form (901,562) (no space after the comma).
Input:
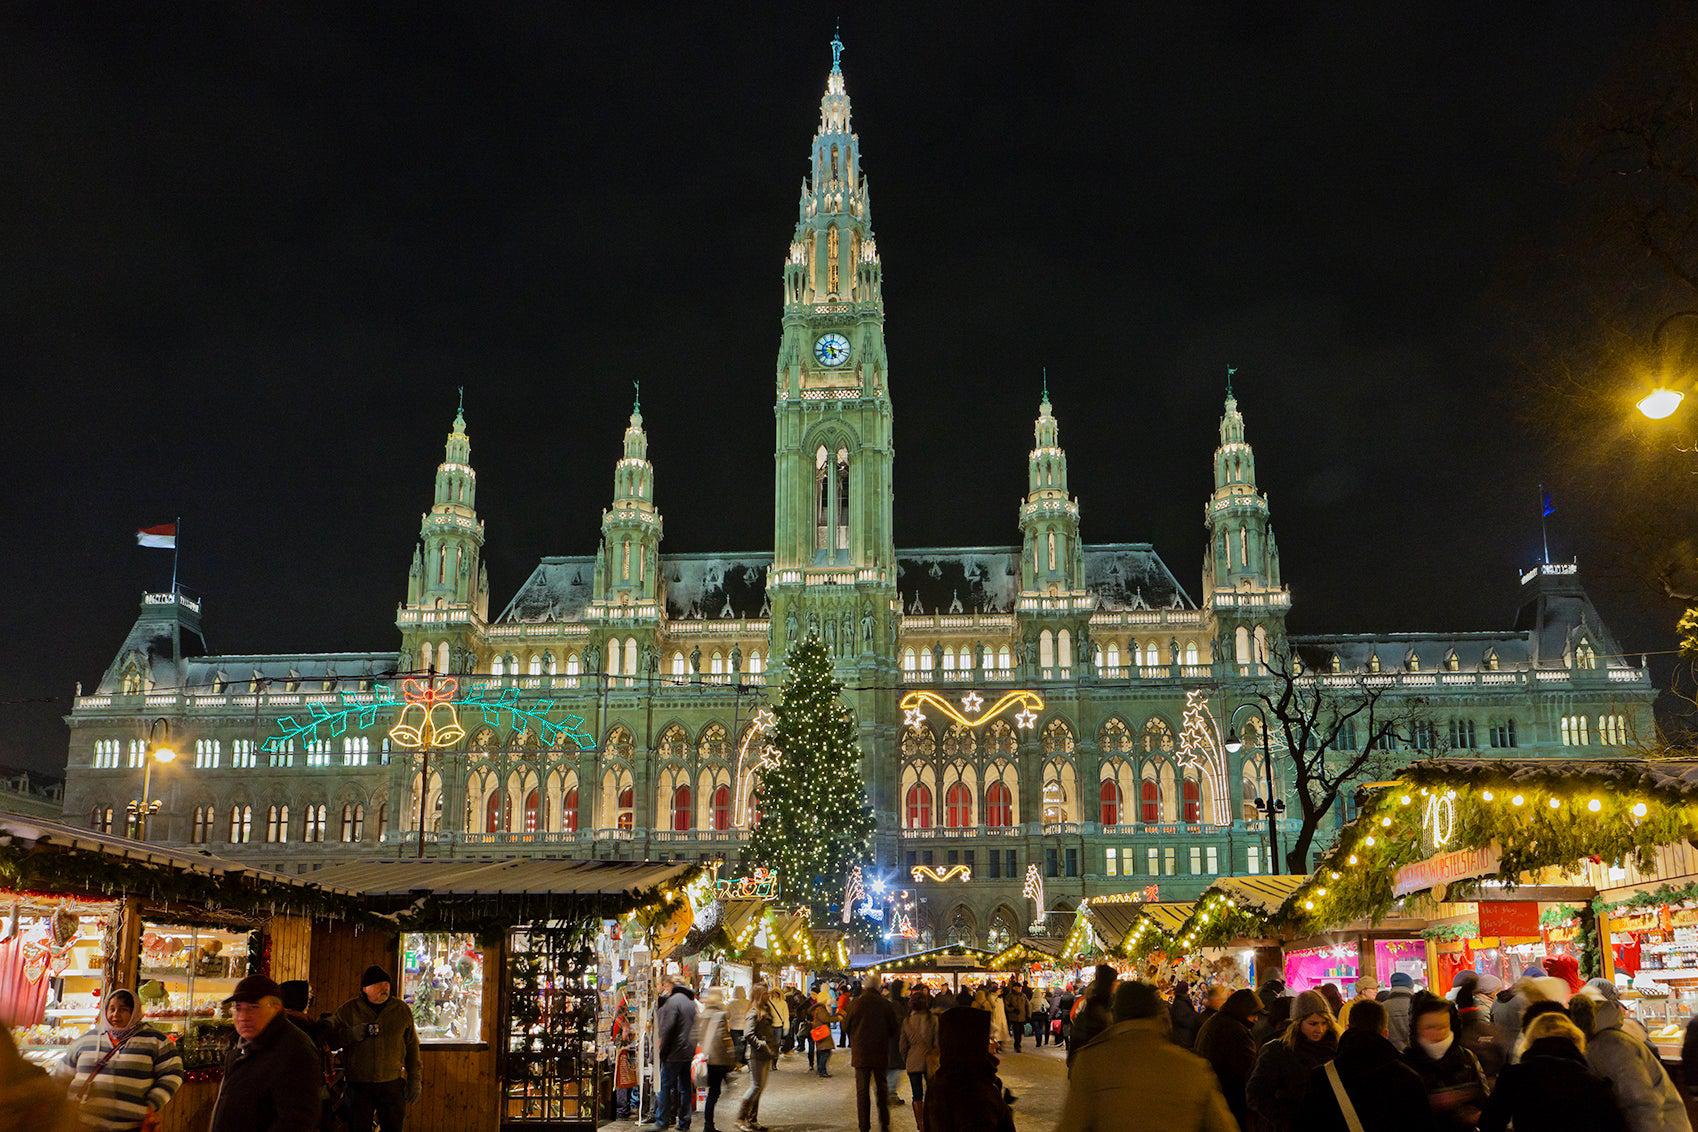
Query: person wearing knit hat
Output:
(1285,1067)
(380,1053)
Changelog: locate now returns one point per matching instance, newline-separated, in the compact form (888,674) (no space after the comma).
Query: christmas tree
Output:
(815,823)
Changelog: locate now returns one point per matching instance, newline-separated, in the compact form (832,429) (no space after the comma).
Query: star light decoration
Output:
(1026,719)
(913,717)
(972,702)
(853,889)
(972,712)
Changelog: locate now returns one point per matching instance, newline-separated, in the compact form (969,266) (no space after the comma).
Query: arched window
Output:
(627,805)
(1113,655)
(202,827)
(1149,801)
(678,668)
(720,803)
(910,662)
(919,806)
(497,668)
(536,664)
(353,822)
(1064,648)
(1241,644)
(1108,802)
(492,814)
(442,657)
(999,806)
(831,502)
(1046,650)
(755,661)
(569,811)
(533,811)
(1191,652)
(630,656)
(1004,658)
(1192,797)
(683,814)
(958,806)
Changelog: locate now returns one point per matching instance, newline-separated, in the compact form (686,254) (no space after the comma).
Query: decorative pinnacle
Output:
(1046,384)
(460,412)
(636,398)
(1230,370)
(837,49)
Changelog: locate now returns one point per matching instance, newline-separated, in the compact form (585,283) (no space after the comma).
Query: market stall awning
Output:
(1024,952)
(1502,820)
(1113,920)
(20,831)
(1238,908)
(952,959)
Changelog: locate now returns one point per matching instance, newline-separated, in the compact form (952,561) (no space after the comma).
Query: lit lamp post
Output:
(1270,807)
(1661,402)
(141,810)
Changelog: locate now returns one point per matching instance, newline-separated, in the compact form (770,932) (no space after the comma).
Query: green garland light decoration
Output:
(1666,894)
(492,702)
(1537,816)
(1452,933)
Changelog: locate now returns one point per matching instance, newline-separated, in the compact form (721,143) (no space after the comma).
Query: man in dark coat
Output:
(1552,1085)
(1386,1094)
(1225,1043)
(675,1026)
(964,1094)
(870,1024)
(1016,1006)
(1182,1017)
(271,1076)
(1097,1014)
(893,1056)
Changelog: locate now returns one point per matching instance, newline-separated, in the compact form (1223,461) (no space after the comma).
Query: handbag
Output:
(1345,1108)
(820,1033)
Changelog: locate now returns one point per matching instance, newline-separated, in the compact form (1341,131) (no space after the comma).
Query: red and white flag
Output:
(163,536)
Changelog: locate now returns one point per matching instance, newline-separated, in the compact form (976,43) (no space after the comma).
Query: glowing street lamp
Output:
(1660,403)
(142,809)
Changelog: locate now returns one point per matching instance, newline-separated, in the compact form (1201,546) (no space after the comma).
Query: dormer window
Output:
(1412,661)
(293,683)
(1373,662)
(1584,655)
(1337,663)
(1491,660)
(219,682)
(1451,663)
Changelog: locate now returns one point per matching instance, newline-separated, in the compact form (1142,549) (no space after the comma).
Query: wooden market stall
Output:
(516,1000)
(87,913)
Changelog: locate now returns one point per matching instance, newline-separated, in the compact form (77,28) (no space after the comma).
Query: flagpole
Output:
(176,549)
(1545,524)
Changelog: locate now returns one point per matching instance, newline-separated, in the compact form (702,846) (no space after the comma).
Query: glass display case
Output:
(1657,949)
(52,970)
(550,1073)
(187,971)
(442,980)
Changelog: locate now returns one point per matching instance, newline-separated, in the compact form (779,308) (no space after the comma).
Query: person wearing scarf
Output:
(964,1094)
(123,1071)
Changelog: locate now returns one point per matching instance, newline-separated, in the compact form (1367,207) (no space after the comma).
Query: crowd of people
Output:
(1546,1052)
(285,1070)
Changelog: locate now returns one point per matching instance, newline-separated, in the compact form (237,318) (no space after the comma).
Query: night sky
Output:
(249,251)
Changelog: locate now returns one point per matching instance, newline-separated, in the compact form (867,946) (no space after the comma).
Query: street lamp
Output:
(1661,402)
(142,809)
(1270,807)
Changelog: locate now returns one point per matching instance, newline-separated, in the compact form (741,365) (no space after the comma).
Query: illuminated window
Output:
(1149,802)
(1151,867)
(919,807)
(1252,859)
(569,811)
(442,977)
(241,824)
(313,829)
(958,806)
(999,806)
(1192,800)
(495,811)
(201,832)
(207,752)
(719,807)
(100,819)
(627,808)
(353,822)
(277,824)
(1211,859)
(1111,862)
(1196,859)
(1108,802)
(683,816)
(533,811)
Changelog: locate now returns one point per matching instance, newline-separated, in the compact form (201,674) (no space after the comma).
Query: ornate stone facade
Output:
(1120,782)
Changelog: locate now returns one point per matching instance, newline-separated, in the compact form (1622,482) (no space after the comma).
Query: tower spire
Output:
(837,49)
(1046,385)
(1230,370)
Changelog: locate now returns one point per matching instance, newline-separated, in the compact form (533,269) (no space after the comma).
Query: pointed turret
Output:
(628,562)
(447,574)
(1241,578)
(1052,558)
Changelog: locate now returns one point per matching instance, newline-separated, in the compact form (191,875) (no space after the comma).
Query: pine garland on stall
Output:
(814,823)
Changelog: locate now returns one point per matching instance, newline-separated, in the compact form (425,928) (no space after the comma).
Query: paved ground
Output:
(798,1101)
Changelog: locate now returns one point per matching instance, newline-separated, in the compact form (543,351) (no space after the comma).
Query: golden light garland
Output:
(942,874)
(974,716)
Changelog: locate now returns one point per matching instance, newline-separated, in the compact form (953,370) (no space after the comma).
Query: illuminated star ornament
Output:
(913,717)
(972,714)
(1026,719)
(972,702)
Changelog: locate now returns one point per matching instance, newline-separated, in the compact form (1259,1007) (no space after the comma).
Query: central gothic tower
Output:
(834,556)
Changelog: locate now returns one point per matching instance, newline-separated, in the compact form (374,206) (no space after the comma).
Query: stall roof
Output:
(1112,920)
(1263,895)
(1026,949)
(938,960)
(524,876)
(34,831)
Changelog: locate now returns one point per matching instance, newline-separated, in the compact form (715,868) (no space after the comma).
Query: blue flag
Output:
(1545,499)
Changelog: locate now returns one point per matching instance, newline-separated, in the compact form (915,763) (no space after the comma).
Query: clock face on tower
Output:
(831,350)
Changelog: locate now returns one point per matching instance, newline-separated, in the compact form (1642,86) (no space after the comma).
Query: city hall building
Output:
(1044,701)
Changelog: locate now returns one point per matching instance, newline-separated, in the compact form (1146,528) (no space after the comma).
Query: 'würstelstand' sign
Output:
(1446,868)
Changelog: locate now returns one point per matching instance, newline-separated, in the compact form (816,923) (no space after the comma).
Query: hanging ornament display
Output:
(433,707)
(972,713)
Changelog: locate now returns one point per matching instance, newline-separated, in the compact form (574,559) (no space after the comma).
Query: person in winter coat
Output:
(1396,1001)
(999,1017)
(1225,1043)
(820,1015)
(1648,1099)
(1039,1017)
(1384,1093)
(1367,989)
(870,1024)
(918,1046)
(713,1037)
(1449,1071)
(1552,1086)
(893,1054)
(1064,1004)
(675,1039)
(1097,1014)
(380,1053)
(1475,1031)
(1630,1025)
(1182,1017)
(1132,1078)
(762,1043)
(1273,1020)
(1512,1002)
(1286,1066)
(964,1094)
(123,1071)
(1017,1007)
(271,1079)
(737,1009)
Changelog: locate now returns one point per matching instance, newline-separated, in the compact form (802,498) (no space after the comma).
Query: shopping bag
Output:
(820,1033)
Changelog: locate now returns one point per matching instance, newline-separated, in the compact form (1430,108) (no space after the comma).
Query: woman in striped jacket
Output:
(124,1071)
